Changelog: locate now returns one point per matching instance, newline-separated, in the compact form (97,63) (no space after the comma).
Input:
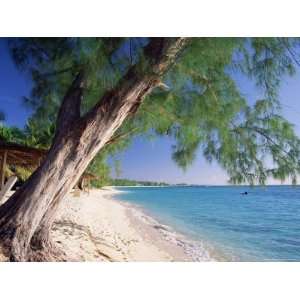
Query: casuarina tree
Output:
(96,92)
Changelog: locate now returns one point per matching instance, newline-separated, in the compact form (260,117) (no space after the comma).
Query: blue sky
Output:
(13,86)
(144,160)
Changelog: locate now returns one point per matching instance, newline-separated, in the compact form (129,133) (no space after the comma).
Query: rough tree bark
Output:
(26,218)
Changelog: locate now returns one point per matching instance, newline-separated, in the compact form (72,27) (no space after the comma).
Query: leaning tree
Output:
(96,92)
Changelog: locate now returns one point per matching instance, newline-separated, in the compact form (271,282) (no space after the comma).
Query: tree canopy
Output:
(198,103)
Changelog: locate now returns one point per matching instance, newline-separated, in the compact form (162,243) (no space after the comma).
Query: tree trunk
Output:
(26,218)
(41,244)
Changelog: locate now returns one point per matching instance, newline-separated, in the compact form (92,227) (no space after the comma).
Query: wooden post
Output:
(6,189)
(2,170)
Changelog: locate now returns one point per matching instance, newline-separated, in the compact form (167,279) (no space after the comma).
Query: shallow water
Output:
(261,226)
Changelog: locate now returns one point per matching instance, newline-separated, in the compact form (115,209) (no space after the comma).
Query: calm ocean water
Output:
(261,226)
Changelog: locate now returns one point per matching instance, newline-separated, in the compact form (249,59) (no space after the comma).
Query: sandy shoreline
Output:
(96,227)
(165,237)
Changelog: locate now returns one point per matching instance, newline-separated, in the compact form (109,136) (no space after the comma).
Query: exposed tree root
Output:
(48,253)
(39,249)
(44,249)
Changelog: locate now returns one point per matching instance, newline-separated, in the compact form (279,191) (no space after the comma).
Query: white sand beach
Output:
(94,227)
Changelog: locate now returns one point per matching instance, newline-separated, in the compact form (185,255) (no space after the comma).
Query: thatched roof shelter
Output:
(20,155)
(13,154)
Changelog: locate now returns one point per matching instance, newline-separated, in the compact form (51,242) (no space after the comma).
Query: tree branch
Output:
(292,54)
(59,72)
(261,132)
(138,81)
(120,136)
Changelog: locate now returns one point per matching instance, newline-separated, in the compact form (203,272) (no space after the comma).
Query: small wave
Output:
(195,250)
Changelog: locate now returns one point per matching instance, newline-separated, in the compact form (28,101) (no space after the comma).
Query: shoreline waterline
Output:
(262,225)
(143,220)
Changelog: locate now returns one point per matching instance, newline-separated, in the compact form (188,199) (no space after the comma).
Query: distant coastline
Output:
(129,182)
(141,183)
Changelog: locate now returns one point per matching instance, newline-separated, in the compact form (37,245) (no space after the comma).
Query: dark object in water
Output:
(245,193)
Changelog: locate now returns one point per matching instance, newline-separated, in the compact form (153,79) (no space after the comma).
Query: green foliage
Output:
(100,168)
(128,182)
(11,134)
(256,148)
(34,134)
(269,60)
(202,108)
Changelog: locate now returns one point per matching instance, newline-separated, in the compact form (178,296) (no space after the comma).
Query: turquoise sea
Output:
(263,225)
